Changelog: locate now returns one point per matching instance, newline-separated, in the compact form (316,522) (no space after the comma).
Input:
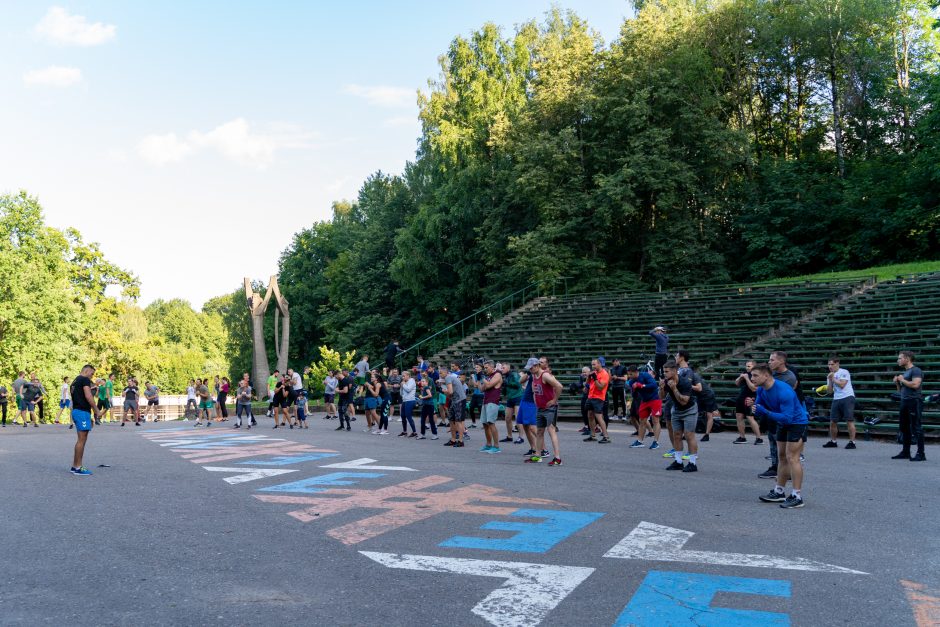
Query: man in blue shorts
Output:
(83,406)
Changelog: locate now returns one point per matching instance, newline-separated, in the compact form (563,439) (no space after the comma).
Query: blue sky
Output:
(162,129)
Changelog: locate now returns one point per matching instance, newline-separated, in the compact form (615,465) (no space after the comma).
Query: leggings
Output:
(620,401)
(407,411)
(243,408)
(383,414)
(221,401)
(584,409)
(4,406)
(427,414)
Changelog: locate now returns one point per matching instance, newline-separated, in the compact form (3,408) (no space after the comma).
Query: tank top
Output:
(527,392)
(492,394)
(542,392)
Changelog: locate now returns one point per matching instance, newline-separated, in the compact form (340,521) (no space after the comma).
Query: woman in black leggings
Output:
(385,402)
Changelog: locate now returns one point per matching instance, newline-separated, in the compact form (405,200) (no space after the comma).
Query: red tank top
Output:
(542,392)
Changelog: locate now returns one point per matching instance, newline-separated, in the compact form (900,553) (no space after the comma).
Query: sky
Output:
(191,140)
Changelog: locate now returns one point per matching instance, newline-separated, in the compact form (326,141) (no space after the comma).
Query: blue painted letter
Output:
(315,484)
(532,537)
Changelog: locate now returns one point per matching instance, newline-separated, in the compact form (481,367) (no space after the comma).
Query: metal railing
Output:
(484,316)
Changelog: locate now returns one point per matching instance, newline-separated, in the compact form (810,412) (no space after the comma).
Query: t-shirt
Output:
(203,391)
(744,391)
(478,378)
(272,381)
(350,384)
(650,389)
(77,389)
(391,351)
(30,392)
(683,387)
(130,393)
(780,403)
(428,393)
(662,342)
(329,385)
(362,368)
(297,381)
(909,375)
(191,393)
(408,389)
(459,393)
(787,377)
(109,388)
(3,395)
(152,392)
(18,386)
(617,371)
(395,381)
(513,387)
(64,392)
(599,385)
(244,395)
(844,392)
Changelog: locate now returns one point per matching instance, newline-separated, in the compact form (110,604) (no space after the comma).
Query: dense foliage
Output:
(56,313)
(715,140)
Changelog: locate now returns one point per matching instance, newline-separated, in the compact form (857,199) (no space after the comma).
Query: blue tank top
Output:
(527,396)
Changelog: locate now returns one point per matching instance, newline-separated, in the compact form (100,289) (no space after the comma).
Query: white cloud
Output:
(58,26)
(383,95)
(53,76)
(234,140)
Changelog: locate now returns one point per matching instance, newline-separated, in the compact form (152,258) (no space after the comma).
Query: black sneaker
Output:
(902,455)
(604,440)
(740,441)
(449,443)
(458,444)
(830,444)
(674,466)
(851,444)
(758,440)
(770,473)
(590,438)
(791,502)
(773,497)
(506,440)
(704,438)
(340,428)
(690,467)
(348,428)
(920,457)
(529,453)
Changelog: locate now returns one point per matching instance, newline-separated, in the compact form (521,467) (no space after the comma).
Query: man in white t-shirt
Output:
(839,384)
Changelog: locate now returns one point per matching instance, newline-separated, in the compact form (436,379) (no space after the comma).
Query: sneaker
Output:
(530,452)
(485,449)
(685,457)
(420,437)
(383,432)
(770,473)
(518,441)
(434,437)
(902,455)
(535,459)
(348,428)
(634,434)
(604,440)
(690,467)
(654,445)
(493,450)
(413,435)
(585,431)
(473,425)
(466,437)
(704,438)
(740,440)
(80,472)
(830,444)
(544,453)
(506,440)
(791,502)
(590,438)
(403,434)
(449,443)
(850,444)
(671,452)
(802,458)
(555,462)
(637,444)
(674,466)
(442,424)
(773,497)
(920,457)
(459,445)
(340,428)
(758,441)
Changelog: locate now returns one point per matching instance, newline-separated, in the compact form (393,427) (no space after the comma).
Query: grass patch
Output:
(883,273)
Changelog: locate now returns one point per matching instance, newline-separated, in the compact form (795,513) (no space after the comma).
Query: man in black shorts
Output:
(746,390)
(457,396)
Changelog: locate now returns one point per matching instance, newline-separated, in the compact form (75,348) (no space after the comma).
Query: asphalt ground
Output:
(157,539)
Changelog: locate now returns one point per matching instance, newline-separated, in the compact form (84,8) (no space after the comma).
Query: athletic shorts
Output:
(741,408)
(708,404)
(82,420)
(476,400)
(292,396)
(20,404)
(843,410)
(685,420)
(546,417)
(206,404)
(791,433)
(328,398)
(512,402)
(652,408)
(130,405)
(153,401)
(457,412)
(442,399)
(104,403)
(284,402)
(490,413)
(371,402)
(65,404)
(596,405)
(396,398)
(526,414)
(30,406)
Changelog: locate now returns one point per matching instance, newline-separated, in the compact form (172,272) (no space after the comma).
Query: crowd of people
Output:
(430,397)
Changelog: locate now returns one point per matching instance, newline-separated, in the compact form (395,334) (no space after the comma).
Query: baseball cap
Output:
(602,362)
(533,361)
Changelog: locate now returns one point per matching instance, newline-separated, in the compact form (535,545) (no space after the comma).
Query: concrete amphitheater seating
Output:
(863,321)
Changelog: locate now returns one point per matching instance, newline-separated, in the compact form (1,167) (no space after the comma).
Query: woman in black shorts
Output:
(746,390)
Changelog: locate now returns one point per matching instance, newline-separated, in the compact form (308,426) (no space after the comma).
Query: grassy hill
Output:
(881,272)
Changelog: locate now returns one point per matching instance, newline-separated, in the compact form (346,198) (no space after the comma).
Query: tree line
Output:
(713,141)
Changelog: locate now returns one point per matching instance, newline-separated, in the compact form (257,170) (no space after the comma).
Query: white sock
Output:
(796,493)
(693,458)
(778,489)
(678,456)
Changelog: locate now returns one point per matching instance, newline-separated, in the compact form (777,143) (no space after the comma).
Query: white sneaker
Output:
(383,432)
(368,430)
(434,437)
